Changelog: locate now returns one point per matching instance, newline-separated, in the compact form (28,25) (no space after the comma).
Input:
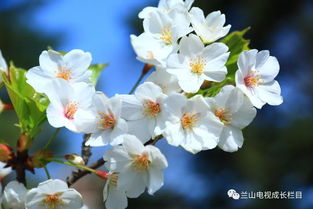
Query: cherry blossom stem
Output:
(145,70)
(47,172)
(74,165)
(52,137)
(81,173)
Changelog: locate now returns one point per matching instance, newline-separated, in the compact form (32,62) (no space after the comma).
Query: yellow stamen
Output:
(224,115)
(189,120)
(107,121)
(252,80)
(70,110)
(166,35)
(141,162)
(113,179)
(151,108)
(64,73)
(197,65)
(53,201)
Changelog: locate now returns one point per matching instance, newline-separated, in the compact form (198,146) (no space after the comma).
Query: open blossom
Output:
(113,195)
(105,125)
(14,196)
(72,67)
(166,6)
(162,31)
(3,65)
(196,63)
(69,103)
(255,77)
(235,110)
(167,82)
(143,111)
(149,49)
(190,123)
(209,28)
(53,194)
(138,166)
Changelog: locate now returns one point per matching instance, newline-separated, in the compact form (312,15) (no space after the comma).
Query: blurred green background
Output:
(277,153)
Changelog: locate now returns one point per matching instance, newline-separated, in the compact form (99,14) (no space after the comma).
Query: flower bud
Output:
(24,142)
(6,153)
(75,159)
(102,174)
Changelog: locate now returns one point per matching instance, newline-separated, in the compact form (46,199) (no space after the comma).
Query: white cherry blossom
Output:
(53,193)
(196,63)
(138,166)
(72,67)
(14,196)
(234,109)
(3,65)
(166,6)
(69,103)
(105,125)
(150,50)
(167,82)
(210,28)
(255,77)
(143,111)
(113,195)
(162,31)
(190,123)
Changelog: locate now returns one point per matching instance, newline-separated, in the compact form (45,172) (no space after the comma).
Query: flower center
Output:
(64,73)
(151,108)
(53,201)
(224,115)
(141,162)
(252,80)
(107,121)
(197,65)
(70,110)
(166,35)
(188,121)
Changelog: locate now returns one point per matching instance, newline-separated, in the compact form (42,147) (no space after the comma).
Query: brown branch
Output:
(86,150)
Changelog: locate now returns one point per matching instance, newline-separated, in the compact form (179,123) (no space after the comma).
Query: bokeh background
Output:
(277,153)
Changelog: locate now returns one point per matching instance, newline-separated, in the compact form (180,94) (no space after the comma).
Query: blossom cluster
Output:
(183,46)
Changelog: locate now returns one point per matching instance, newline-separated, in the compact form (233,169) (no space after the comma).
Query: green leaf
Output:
(29,106)
(236,44)
(96,70)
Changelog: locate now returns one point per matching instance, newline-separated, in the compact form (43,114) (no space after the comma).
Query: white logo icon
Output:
(233,194)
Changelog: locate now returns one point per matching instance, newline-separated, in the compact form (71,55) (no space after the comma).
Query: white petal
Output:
(131,107)
(133,145)
(78,61)
(117,159)
(270,93)
(133,183)
(191,45)
(148,91)
(231,139)
(269,69)
(116,199)
(247,61)
(155,180)
(50,61)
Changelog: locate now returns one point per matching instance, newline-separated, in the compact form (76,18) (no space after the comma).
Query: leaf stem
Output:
(47,172)
(52,137)
(71,164)
(144,71)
